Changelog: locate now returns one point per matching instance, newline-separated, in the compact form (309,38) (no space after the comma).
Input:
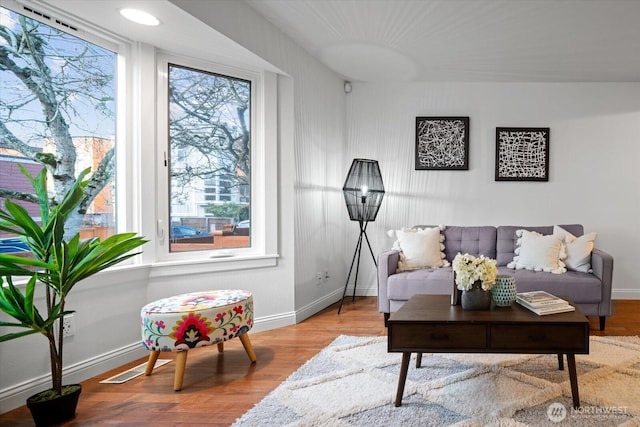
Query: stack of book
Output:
(541,303)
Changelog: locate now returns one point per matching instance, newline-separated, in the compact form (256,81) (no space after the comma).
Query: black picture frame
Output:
(442,143)
(522,154)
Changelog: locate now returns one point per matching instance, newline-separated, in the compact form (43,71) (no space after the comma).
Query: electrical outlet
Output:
(319,278)
(68,325)
(326,275)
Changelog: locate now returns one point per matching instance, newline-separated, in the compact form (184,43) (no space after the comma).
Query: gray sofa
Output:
(590,291)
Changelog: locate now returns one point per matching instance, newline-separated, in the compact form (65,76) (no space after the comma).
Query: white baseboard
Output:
(318,305)
(367,292)
(371,291)
(625,294)
(267,323)
(324,302)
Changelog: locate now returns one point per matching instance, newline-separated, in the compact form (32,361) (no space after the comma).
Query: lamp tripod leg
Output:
(353,260)
(370,250)
(355,282)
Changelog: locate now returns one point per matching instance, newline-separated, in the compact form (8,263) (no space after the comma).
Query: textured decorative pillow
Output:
(578,249)
(537,252)
(419,248)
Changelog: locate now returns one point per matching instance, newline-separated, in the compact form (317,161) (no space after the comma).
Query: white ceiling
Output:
(466,40)
(415,40)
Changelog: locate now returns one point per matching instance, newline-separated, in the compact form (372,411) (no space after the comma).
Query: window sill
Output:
(211,265)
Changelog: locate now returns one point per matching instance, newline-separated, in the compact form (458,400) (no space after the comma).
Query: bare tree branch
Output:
(17,195)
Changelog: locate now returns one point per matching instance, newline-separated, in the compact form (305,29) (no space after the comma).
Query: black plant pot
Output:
(56,410)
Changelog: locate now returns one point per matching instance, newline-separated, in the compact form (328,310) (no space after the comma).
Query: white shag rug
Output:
(353,382)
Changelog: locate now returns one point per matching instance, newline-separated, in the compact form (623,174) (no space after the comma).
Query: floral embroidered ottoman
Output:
(197,319)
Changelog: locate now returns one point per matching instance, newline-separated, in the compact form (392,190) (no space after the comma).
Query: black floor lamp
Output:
(363,192)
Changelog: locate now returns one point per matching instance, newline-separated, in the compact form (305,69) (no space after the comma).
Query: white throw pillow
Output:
(420,248)
(537,252)
(578,249)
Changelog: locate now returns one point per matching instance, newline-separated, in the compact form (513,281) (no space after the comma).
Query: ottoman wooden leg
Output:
(246,342)
(181,363)
(153,357)
(220,347)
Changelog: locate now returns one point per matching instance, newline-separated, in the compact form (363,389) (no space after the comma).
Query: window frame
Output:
(259,248)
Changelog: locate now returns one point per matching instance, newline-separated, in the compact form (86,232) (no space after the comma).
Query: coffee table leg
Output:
(560,362)
(418,360)
(403,377)
(573,378)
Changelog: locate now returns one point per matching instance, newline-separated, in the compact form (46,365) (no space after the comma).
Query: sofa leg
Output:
(386,319)
(602,320)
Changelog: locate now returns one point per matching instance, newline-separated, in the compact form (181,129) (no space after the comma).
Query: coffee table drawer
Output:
(437,337)
(556,339)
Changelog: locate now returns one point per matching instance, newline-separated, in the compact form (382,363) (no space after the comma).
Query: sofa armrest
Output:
(602,266)
(387,265)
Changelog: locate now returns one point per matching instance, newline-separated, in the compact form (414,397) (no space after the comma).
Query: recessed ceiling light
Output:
(139,17)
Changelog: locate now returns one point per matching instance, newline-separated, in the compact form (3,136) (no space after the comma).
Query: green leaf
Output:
(23,220)
(17,261)
(102,255)
(12,336)
(30,291)
(39,184)
(21,307)
(12,301)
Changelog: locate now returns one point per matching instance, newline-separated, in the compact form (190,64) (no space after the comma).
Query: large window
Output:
(57,111)
(67,100)
(209,165)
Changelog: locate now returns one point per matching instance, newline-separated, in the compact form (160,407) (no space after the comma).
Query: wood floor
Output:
(219,387)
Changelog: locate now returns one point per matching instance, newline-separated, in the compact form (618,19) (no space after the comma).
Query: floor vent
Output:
(130,374)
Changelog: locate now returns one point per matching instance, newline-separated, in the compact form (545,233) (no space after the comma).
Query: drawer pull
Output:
(537,338)
(439,336)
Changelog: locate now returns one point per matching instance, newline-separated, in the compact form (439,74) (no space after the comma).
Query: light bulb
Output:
(364,190)
(140,17)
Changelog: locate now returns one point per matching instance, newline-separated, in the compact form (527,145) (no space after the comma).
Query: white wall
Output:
(593,175)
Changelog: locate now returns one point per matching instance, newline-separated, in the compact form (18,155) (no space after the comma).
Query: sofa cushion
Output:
(419,248)
(476,241)
(540,253)
(577,286)
(578,249)
(437,281)
(506,239)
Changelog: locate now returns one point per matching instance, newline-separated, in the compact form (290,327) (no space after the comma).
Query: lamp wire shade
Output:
(363,190)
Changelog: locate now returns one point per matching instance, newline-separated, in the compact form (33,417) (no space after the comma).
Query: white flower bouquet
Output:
(469,269)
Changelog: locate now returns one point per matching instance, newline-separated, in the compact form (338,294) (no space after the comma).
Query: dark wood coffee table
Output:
(430,324)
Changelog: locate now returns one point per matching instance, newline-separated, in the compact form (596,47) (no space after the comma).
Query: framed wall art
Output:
(442,143)
(522,154)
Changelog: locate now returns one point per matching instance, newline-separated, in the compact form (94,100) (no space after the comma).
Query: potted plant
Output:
(54,265)
(474,276)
